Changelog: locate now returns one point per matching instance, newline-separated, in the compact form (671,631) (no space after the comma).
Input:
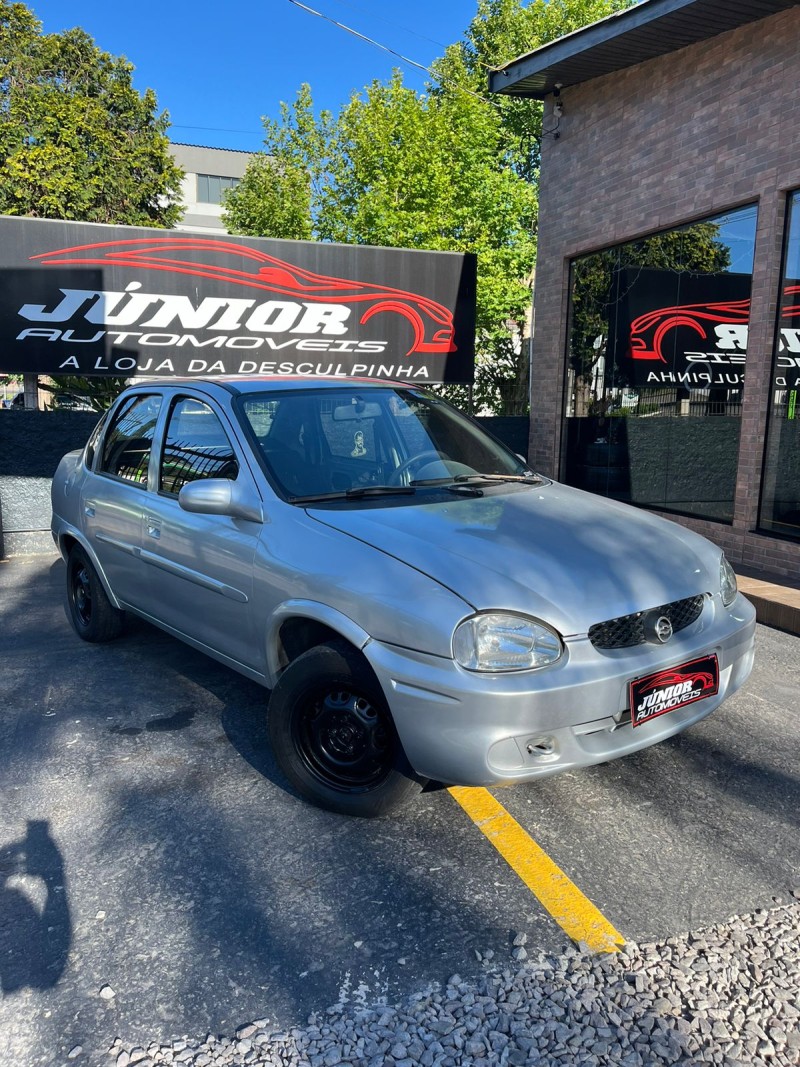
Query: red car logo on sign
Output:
(431,322)
(649,331)
(671,678)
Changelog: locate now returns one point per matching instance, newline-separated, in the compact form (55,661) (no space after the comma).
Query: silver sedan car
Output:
(421,604)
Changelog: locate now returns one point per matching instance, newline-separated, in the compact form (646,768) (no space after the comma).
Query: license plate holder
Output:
(675,687)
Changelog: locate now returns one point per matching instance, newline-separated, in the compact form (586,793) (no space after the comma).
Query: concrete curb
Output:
(776,605)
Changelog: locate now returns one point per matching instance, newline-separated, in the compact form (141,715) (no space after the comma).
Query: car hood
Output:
(565,556)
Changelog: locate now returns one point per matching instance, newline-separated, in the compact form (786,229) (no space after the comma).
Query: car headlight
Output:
(727,582)
(500,642)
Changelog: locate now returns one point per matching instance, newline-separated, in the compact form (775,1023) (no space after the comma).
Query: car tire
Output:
(94,618)
(333,736)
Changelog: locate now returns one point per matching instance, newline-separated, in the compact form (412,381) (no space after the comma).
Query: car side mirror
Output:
(221,496)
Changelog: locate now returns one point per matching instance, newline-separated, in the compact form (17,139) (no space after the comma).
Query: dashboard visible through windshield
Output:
(353,443)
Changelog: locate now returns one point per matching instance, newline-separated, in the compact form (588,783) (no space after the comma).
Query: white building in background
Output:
(209,172)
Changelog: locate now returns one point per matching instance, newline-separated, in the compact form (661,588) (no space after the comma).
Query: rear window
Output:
(129,441)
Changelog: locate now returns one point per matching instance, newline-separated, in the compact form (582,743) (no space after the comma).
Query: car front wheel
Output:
(333,736)
(94,618)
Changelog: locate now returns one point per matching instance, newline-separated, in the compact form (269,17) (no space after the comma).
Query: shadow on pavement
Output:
(35,926)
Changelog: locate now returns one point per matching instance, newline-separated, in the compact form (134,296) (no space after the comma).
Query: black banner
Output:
(78,298)
(675,328)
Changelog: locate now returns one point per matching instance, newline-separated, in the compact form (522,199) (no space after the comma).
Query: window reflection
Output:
(655,370)
(780,502)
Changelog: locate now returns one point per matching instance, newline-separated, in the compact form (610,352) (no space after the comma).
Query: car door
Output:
(200,567)
(114,496)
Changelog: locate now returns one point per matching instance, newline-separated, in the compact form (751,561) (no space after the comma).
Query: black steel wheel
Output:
(94,618)
(333,736)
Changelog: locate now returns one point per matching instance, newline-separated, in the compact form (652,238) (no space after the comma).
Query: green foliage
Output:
(425,173)
(101,392)
(10,385)
(277,196)
(77,141)
(449,170)
(500,31)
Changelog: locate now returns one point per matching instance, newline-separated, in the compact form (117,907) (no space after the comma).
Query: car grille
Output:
(628,630)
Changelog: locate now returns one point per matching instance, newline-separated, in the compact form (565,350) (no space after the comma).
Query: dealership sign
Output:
(675,328)
(84,299)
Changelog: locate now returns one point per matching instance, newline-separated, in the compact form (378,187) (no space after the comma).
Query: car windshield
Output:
(372,442)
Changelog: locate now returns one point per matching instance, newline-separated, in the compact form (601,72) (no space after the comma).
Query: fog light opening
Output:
(541,746)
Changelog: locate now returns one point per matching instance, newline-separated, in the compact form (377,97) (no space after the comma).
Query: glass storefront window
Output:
(780,492)
(655,369)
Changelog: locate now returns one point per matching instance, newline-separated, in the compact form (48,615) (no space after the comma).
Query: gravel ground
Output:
(727,995)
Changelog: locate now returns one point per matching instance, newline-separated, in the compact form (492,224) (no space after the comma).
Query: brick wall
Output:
(688,135)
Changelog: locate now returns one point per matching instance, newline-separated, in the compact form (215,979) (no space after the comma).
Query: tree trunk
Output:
(31,387)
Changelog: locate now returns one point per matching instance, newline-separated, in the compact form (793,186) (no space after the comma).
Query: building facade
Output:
(666,348)
(209,172)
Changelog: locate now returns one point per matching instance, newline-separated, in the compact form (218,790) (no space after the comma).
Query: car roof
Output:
(269,383)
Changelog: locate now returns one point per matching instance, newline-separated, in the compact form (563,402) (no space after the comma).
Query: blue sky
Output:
(217,68)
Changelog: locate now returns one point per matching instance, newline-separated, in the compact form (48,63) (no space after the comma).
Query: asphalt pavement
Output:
(158,877)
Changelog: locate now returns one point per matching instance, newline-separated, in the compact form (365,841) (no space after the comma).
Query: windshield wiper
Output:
(448,485)
(379,490)
(355,493)
(468,483)
(526,479)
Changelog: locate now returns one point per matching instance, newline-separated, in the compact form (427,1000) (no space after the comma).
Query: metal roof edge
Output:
(581,40)
(216,148)
(540,66)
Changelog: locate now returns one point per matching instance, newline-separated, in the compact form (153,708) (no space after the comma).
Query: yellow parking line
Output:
(574,913)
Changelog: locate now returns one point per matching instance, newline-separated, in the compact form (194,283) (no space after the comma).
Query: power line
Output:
(391,51)
(361,36)
(406,29)
(389,22)
(210,129)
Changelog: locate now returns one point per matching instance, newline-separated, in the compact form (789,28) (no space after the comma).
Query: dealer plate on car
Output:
(663,691)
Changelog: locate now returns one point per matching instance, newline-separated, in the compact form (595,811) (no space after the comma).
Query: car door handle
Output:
(89,508)
(153,528)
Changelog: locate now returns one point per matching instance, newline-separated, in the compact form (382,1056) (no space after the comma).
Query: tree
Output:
(425,173)
(77,141)
(450,169)
(100,391)
(501,30)
(402,170)
(280,190)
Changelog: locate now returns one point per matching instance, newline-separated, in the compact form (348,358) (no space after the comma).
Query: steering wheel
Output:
(402,475)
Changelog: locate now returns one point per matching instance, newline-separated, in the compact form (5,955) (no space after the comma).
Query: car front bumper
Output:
(466,728)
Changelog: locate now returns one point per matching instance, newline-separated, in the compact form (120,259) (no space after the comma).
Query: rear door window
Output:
(129,441)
